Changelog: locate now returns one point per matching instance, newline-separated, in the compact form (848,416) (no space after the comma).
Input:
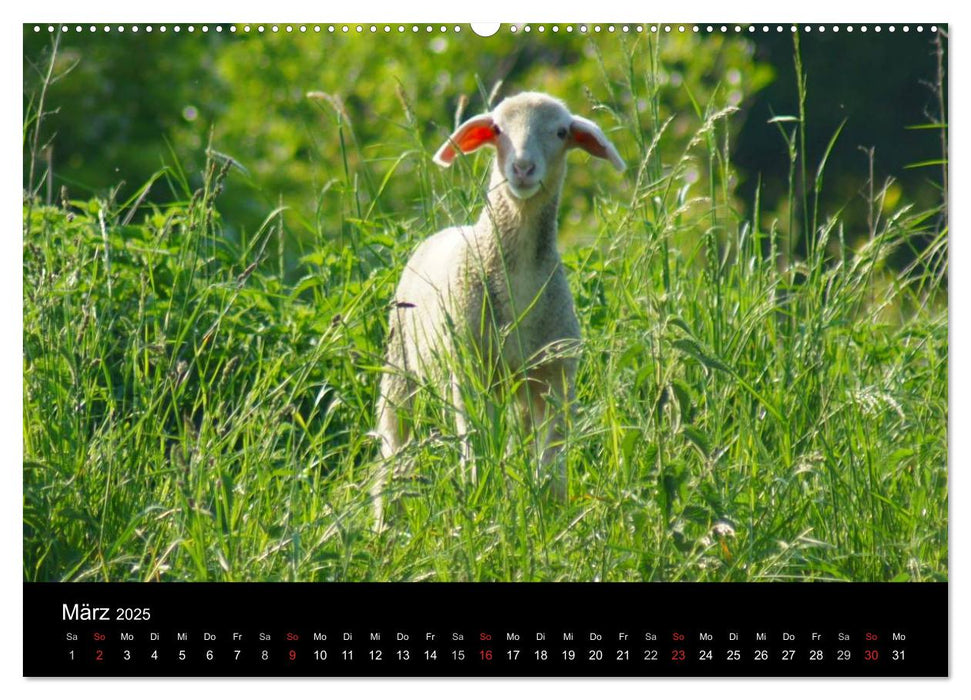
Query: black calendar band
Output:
(486,629)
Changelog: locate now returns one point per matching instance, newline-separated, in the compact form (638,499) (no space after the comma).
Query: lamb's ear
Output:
(588,136)
(472,134)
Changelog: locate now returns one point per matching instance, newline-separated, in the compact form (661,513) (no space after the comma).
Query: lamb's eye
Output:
(561,132)
(496,130)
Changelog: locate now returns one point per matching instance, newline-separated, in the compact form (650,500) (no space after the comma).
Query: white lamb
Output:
(496,287)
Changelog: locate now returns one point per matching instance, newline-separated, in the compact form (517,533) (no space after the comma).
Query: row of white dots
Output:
(682,28)
(582,28)
(302,28)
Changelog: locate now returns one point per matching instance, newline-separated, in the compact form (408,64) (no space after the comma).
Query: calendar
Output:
(649,630)
(550,349)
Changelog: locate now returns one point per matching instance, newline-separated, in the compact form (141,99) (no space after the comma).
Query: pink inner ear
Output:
(475,136)
(475,133)
(588,142)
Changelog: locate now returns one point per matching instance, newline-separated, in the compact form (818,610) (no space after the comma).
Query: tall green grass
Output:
(744,413)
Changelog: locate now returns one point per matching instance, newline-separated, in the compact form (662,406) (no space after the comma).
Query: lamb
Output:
(498,287)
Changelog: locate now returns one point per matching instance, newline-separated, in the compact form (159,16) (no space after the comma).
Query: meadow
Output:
(762,393)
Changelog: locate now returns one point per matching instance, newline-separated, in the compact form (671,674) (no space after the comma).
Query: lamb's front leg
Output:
(467,463)
(546,403)
(392,434)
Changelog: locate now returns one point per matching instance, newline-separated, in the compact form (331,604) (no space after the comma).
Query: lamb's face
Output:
(531,133)
(532,136)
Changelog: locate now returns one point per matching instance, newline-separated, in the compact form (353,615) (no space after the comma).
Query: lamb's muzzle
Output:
(497,287)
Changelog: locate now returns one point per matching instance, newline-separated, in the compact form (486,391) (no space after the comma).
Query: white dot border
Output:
(426,29)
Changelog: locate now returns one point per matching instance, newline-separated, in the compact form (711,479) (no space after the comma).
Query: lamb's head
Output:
(531,133)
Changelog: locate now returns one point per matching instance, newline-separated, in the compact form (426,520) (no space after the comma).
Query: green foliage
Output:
(195,409)
(129,103)
(181,387)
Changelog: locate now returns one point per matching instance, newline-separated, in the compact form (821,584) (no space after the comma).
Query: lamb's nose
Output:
(523,167)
